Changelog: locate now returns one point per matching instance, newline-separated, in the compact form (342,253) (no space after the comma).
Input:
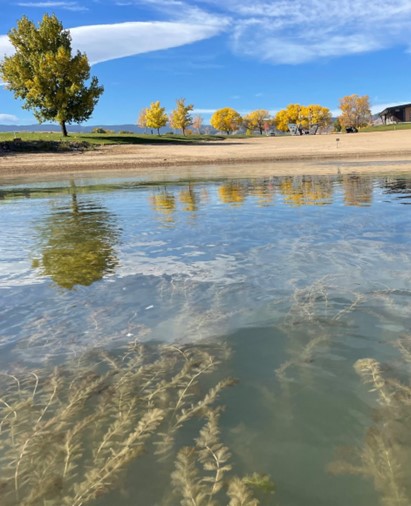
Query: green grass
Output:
(54,141)
(386,128)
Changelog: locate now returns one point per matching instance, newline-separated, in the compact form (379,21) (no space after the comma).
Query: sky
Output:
(248,55)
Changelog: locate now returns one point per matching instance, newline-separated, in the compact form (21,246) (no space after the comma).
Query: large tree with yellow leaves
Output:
(355,111)
(227,120)
(46,76)
(304,116)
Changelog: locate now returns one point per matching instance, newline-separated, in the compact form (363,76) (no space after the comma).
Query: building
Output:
(396,114)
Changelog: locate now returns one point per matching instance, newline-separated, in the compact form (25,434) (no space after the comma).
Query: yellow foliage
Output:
(303,116)
(180,117)
(141,120)
(356,111)
(258,120)
(156,116)
(44,73)
(227,120)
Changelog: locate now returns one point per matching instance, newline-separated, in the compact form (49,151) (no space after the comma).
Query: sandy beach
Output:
(321,154)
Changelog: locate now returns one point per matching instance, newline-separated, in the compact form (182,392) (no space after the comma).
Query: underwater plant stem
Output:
(46,407)
(16,473)
(200,372)
(11,411)
(217,473)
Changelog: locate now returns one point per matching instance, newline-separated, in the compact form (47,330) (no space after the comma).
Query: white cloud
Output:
(8,119)
(6,47)
(273,31)
(108,42)
(297,31)
(69,6)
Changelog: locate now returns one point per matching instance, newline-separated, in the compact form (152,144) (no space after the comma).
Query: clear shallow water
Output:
(300,277)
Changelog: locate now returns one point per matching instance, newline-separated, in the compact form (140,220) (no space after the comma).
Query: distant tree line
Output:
(355,114)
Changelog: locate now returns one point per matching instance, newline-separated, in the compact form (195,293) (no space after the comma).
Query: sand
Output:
(322,154)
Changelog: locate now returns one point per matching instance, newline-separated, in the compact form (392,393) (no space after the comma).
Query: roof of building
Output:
(394,108)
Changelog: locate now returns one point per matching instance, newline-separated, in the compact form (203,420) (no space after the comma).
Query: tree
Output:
(141,120)
(291,114)
(304,116)
(198,123)
(257,120)
(226,120)
(316,115)
(337,125)
(181,117)
(44,74)
(355,110)
(156,116)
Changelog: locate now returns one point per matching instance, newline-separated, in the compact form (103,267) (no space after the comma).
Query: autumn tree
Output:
(46,76)
(181,117)
(257,120)
(141,120)
(304,116)
(316,115)
(227,120)
(156,116)
(355,111)
(291,114)
(198,123)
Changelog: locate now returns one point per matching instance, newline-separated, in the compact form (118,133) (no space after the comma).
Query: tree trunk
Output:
(158,131)
(63,129)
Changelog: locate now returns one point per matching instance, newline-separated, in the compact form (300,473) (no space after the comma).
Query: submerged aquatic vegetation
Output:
(206,487)
(67,435)
(385,454)
(313,309)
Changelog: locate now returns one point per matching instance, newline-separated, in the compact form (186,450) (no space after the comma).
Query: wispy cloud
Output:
(69,6)
(108,42)
(272,31)
(126,39)
(298,31)
(8,119)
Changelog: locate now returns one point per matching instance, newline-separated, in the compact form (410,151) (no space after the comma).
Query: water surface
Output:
(297,279)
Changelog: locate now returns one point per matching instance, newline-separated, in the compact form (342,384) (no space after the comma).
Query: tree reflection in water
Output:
(78,243)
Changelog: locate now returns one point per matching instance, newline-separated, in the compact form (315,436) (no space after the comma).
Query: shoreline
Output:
(376,152)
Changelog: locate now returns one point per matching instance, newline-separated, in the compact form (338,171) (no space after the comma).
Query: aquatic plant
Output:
(311,306)
(205,487)
(384,455)
(68,435)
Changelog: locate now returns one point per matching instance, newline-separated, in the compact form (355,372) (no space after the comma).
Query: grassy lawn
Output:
(54,141)
(387,128)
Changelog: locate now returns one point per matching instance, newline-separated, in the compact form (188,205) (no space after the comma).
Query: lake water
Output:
(125,305)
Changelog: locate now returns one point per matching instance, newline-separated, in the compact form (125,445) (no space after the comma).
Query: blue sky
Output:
(259,54)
